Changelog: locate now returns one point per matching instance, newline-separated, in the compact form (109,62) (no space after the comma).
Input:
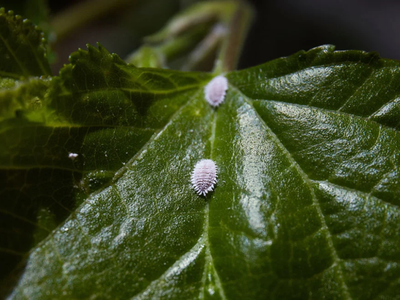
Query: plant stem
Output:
(233,42)
(230,22)
(207,46)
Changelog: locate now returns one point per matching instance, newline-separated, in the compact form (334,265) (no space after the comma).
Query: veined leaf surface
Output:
(307,201)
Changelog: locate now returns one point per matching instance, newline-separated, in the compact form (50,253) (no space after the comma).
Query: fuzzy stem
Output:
(233,42)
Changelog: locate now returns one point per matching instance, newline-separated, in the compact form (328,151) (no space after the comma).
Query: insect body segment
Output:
(204,176)
(215,90)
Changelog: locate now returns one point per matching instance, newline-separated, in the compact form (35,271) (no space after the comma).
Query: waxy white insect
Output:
(73,155)
(204,176)
(215,90)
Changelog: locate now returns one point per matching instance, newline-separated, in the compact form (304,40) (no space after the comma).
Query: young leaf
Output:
(36,11)
(22,48)
(307,200)
(19,97)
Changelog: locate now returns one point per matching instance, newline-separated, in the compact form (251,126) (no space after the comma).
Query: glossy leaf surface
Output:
(307,202)
(59,151)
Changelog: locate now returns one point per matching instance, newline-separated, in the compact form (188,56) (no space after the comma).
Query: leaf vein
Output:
(308,182)
(349,98)
(20,65)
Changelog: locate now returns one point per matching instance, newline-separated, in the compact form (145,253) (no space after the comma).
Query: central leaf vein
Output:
(209,259)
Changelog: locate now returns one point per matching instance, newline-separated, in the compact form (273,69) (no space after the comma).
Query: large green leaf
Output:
(104,118)
(307,202)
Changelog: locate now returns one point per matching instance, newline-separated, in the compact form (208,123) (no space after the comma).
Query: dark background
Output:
(281,27)
(286,26)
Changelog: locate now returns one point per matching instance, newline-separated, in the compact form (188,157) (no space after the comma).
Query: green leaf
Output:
(306,204)
(18,97)
(147,57)
(99,108)
(22,48)
(38,12)
(35,10)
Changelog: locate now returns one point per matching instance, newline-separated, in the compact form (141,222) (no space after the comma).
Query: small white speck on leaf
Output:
(73,155)
(215,90)
(204,176)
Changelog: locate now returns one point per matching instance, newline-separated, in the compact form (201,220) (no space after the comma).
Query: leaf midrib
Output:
(22,68)
(130,90)
(208,257)
(204,239)
(40,63)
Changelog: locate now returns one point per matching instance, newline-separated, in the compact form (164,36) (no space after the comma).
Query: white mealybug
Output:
(215,90)
(204,176)
(73,155)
